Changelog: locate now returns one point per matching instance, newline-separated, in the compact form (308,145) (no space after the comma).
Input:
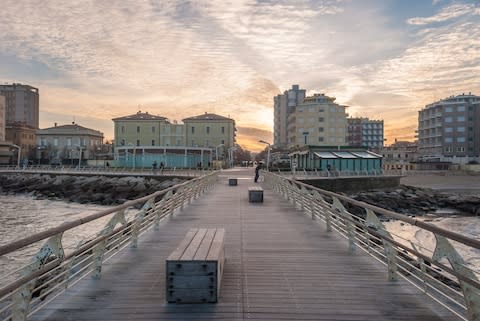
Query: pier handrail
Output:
(456,286)
(51,271)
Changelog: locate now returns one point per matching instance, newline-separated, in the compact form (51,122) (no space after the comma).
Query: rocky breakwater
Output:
(101,190)
(420,201)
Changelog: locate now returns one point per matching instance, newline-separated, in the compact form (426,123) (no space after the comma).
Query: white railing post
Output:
(349,226)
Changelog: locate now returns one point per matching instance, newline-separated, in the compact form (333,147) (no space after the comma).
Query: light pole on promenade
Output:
(269,147)
(19,153)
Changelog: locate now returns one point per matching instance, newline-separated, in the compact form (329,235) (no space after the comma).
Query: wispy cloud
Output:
(447,13)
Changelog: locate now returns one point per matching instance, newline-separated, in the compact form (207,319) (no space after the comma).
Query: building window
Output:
(461,108)
(138,129)
(55,141)
(321,119)
(448,139)
(153,141)
(193,132)
(448,149)
(223,130)
(461,118)
(460,149)
(207,129)
(448,119)
(460,139)
(69,141)
(461,129)
(138,142)
(123,129)
(223,141)
(153,129)
(320,139)
(448,129)
(321,110)
(448,109)
(320,129)
(123,142)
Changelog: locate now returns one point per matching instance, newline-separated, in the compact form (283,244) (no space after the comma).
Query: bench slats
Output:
(193,247)
(204,248)
(177,254)
(217,245)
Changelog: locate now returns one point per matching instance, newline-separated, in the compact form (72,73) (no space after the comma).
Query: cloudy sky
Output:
(96,60)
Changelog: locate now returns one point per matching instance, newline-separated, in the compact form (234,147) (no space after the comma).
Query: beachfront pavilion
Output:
(336,158)
(170,156)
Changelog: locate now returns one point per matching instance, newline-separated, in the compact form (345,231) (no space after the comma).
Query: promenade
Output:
(280,265)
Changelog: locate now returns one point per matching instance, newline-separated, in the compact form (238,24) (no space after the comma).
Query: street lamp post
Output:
(268,151)
(19,154)
(79,156)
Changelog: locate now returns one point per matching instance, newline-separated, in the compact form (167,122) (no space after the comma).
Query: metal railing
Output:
(440,273)
(92,170)
(53,269)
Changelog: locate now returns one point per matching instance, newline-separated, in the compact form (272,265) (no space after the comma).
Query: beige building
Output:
(210,130)
(318,121)
(400,156)
(63,144)
(144,129)
(283,106)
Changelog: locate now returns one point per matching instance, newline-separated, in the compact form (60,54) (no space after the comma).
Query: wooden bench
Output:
(194,270)
(232,182)
(255,194)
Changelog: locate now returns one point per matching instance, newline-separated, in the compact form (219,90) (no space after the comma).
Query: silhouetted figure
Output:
(257,173)
(154,167)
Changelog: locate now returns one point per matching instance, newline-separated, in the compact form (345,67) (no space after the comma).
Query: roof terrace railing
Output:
(440,273)
(54,268)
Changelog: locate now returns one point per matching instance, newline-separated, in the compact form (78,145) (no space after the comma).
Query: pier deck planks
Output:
(279,266)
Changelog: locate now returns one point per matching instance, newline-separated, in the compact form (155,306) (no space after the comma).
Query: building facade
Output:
(400,155)
(210,131)
(67,143)
(283,105)
(22,104)
(318,121)
(449,130)
(364,132)
(22,136)
(144,129)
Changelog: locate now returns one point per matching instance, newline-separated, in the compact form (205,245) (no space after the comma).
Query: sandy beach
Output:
(465,184)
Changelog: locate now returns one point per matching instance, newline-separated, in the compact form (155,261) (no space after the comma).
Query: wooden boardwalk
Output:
(280,265)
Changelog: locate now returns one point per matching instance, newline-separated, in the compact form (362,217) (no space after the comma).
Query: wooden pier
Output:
(279,265)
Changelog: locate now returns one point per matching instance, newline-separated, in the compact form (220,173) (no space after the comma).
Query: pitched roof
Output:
(140,116)
(207,116)
(70,128)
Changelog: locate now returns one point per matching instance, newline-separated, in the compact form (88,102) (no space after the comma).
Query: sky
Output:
(96,60)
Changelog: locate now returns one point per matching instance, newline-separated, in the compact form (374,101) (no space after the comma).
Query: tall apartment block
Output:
(283,106)
(318,121)
(364,132)
(449,130)
(22,104)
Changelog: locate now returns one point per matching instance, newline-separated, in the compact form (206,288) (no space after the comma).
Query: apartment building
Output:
(64,143)
(283,105)
(2,118)
(400,155)
(317,121)
(144,129)
(21,104)
(365,132)
(449,130)
(210,130)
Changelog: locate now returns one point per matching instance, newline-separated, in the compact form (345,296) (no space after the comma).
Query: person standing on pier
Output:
(257,173)
(154,167)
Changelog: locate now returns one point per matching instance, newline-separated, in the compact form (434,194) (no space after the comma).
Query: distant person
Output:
(154,167)
(107,164)
(162,166)
(257,173)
